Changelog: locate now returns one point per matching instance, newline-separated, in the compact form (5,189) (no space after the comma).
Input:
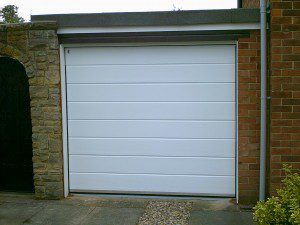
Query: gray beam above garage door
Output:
(166,18)
(136,37)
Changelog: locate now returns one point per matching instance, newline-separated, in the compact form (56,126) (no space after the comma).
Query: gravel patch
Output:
(166,213)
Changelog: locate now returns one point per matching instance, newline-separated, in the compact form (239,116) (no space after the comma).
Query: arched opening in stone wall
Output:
(16,167)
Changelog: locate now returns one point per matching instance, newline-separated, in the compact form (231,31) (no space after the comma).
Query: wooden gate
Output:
(16,168)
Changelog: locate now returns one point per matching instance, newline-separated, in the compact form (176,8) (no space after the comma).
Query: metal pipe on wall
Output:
(240,4)
(263,89)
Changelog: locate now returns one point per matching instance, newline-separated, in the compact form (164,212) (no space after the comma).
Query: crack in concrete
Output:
(82,220)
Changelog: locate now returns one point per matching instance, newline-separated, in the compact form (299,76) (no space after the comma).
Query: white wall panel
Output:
(152,147)
(151,129)
(152,92)
(152,165)
(151,55)
(101,74)
(163,184)
(152,110)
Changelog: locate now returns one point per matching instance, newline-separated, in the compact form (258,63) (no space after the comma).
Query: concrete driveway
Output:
(18,209)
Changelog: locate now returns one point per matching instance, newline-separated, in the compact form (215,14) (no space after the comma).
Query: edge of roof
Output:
(160,18)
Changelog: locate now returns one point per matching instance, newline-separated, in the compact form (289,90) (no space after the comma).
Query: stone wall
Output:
(36,46)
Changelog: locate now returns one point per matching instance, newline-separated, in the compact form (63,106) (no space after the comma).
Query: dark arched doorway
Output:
(16,170)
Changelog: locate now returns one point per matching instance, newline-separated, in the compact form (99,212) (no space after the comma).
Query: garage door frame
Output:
(64,98)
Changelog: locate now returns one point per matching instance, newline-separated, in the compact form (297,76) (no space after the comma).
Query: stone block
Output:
(52,76)
(38,92)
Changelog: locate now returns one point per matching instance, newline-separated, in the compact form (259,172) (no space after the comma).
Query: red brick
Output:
(282,94)
(243,180)
(296,94)
(248,160)
(291,115)
(290,72)
(276,12)
(281,151)
(291,27)
(296,122)
(291,57)
(281,122)
(281,5)
(282,108)
(281,20)
(281,65)
(296,65)
(291,12)
(291,42)
(293,101)
(275,42)
(247,52)
(282,50)
(276,27)
(296,5)
(291,158)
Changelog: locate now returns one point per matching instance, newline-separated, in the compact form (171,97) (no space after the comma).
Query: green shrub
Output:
(284,209)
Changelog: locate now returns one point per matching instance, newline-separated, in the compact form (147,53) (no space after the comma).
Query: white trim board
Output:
(64,106)
(82,45)
(64,120)
(204,27)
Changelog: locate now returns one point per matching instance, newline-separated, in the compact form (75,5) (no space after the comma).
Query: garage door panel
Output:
(152,147)
(150,110)
(166,184)
(152,119)
(151,92)
(150,129)
(103,74)
(150,55)
(152,165)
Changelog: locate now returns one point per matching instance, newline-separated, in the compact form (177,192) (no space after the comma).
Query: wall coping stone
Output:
(42,25)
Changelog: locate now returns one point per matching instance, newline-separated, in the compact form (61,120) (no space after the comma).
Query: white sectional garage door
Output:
(152,119)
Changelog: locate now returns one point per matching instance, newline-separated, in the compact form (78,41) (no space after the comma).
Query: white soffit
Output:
(205,27)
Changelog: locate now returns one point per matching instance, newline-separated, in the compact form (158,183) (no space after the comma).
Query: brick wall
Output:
(251,3)
(248,117)
(284,58)
(35,45)
(285,88)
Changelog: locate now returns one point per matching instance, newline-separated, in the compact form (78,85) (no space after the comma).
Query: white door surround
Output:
(176,113)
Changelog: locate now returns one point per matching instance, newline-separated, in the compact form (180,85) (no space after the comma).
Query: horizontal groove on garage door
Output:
(153,183)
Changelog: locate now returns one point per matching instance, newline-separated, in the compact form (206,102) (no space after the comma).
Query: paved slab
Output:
(18,213)
(109,216)
(220,218)
(60,214)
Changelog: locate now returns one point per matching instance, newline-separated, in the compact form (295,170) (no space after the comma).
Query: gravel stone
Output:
(166,213)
